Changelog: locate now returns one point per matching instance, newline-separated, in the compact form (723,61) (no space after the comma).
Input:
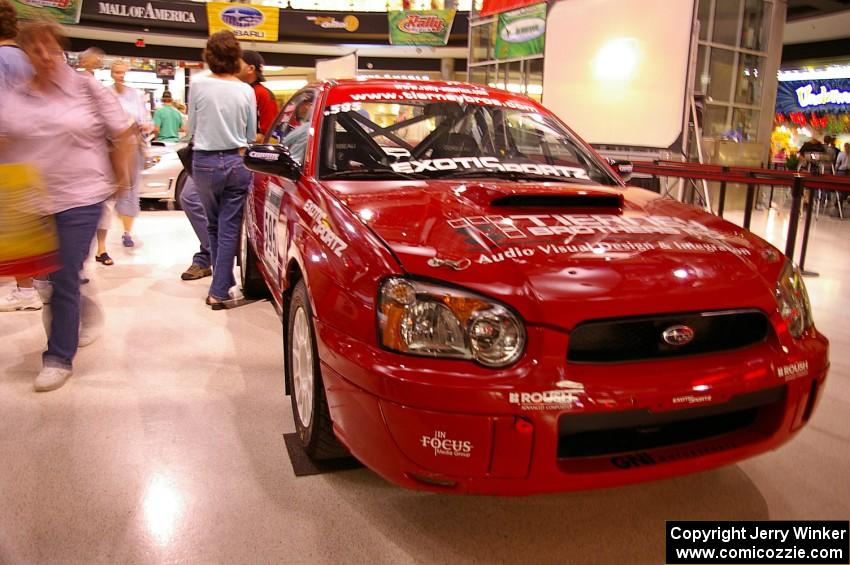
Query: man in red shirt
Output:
(252,73)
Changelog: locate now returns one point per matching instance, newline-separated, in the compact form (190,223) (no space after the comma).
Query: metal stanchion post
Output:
(748,206)
(721,205)
(813,193)
(794,218)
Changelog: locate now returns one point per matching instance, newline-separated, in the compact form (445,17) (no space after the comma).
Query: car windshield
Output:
(426,139)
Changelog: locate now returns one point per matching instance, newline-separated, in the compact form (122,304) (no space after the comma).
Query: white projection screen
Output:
(338,67)
(616,71)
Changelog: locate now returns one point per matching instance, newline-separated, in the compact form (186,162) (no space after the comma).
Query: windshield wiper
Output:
(372,173)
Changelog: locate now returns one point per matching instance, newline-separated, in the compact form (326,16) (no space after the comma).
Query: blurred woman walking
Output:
(69,120)
(126,201)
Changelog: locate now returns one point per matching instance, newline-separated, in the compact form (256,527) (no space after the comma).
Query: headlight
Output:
(151,161)
(430,320)
(793,300)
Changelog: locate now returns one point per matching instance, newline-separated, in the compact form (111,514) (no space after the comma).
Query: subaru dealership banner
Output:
(63,11)
(521,33)
(491,7)
(422,27)
(247,22)
(813,96)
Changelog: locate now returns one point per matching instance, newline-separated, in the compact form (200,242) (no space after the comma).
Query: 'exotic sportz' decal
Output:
(322,228)
(488,163)
(692,399)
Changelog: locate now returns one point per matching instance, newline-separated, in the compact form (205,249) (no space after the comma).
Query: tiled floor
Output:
(166,447)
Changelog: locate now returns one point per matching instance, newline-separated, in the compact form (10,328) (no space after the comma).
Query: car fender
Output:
(341,260)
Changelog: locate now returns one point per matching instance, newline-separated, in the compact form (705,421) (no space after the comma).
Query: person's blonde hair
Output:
(120,63)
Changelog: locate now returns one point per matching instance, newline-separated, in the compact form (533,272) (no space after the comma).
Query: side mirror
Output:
(272,160)
(623,168)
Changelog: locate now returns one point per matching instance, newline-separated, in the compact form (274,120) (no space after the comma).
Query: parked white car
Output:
(163,176)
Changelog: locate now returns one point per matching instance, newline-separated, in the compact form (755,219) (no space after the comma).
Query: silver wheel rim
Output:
(302,367)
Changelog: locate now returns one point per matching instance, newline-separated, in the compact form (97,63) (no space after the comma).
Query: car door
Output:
(273,195)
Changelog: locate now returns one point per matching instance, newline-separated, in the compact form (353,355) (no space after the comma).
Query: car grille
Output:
(609,433)
(636,339)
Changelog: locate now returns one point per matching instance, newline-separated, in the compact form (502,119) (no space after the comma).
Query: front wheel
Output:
(309,404)
(178,189)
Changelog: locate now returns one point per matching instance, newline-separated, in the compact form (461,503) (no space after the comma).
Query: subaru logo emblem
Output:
(678,335)
(242,16)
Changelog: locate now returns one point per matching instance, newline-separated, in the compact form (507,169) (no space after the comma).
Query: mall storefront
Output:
(811,104)
(159,37)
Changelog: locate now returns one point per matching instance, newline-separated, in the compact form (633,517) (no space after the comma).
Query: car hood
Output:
(561,254)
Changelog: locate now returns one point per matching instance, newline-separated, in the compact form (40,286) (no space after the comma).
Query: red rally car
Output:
(472,300)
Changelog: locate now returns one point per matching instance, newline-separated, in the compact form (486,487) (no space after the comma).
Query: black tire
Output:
(253,285)
(178,189)
(316,435)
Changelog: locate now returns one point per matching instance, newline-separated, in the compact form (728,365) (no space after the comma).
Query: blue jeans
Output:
(190,200)
(75,229)
(222,182)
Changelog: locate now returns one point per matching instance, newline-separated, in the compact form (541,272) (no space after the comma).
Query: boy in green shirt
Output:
(167,120)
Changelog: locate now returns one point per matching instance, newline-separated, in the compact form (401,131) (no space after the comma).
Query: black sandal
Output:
(104,258)
(216,304)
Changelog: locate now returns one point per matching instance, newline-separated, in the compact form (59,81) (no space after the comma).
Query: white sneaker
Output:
(51,378)
(235,293)
(20,299)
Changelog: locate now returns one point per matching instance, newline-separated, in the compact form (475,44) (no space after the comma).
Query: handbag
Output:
(28,243)
(185,156)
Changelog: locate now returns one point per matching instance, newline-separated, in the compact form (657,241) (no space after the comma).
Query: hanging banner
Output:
(63,11)
(831,95)
(521,33)
(422,27)
(152,14)
(247,22)
(492,7)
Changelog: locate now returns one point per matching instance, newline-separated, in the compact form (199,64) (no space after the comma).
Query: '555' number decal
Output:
(346,107)
(271,215)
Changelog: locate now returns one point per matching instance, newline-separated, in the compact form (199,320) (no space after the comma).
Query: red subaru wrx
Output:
(472,301)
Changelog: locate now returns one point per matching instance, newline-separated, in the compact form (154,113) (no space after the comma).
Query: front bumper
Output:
(422,424)
(156,184)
